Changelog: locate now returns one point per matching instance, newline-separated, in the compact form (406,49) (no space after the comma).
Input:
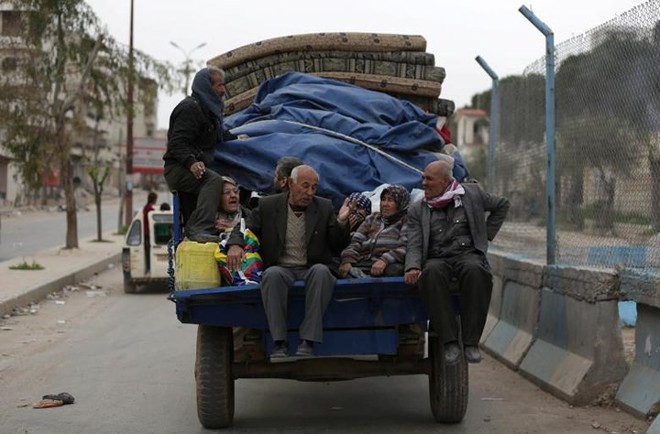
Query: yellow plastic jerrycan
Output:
(196,267)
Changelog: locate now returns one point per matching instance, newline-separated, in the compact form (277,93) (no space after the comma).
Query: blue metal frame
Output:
(362,318)
(494,121)
(551,241)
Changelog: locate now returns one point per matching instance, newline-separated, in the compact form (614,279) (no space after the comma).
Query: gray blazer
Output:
(325,237)
(476,202)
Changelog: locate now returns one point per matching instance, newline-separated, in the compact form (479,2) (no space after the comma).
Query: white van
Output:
(134,254)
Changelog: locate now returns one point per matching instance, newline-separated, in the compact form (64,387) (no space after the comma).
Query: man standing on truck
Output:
(448,235)
(196,127)
(299,234)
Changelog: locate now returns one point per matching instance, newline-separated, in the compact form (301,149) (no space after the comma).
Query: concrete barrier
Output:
(559,326)
(578,352)
(512,333)
(655,427)
(494,309)
(639,392)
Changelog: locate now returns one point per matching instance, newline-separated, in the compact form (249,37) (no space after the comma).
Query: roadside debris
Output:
(48,401)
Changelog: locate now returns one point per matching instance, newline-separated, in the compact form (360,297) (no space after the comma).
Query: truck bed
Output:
(363,317)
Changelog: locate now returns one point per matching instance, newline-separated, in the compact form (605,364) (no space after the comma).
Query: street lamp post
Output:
(187,63)
(129,128)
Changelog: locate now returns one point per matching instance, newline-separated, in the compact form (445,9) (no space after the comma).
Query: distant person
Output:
(283,170)
(152,198)
(378,246)
(165,207)
(299,233)
(448,234)
(195,130)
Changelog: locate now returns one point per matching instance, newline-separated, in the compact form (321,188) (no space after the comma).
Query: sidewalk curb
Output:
(38,292)
(77,267)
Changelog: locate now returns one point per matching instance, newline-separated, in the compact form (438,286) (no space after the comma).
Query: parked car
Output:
(135,253)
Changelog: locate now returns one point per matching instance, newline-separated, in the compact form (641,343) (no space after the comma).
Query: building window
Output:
(9,64)
(11,23)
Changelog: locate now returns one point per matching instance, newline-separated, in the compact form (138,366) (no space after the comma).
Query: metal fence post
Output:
(494,121)
(549,128)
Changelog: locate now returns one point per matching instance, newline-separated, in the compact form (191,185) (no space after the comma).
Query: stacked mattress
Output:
(394,64)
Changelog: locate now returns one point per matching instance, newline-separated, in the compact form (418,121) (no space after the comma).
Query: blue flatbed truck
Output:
(372,327)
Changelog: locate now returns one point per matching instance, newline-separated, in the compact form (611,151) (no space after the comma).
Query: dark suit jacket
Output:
(476,202)
(325,237)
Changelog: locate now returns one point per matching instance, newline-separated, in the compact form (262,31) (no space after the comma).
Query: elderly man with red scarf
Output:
(448,234)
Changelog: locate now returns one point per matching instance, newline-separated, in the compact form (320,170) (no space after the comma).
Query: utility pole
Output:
(129,128)
(187,63)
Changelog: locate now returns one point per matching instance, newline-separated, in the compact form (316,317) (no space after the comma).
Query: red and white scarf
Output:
(454,191)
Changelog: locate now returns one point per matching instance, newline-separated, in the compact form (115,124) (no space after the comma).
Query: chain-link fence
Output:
(607,88)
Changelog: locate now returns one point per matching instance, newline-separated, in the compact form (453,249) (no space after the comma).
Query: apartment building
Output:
(102,141)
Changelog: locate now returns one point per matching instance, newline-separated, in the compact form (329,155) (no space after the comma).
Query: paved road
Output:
(29,232)
(129,364)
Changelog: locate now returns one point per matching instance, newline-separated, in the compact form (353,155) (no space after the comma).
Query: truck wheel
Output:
(448,385)
(129,287)
(213,376)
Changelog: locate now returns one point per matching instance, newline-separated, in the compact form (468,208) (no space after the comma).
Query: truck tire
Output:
(213,376)
(129,287)
(448,385)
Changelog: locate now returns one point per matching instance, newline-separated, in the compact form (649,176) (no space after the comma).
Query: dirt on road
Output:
(499,397)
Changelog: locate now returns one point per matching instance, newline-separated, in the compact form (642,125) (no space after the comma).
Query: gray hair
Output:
(444,168)
(445,157)
(296,171)
(215,72)
(285,165)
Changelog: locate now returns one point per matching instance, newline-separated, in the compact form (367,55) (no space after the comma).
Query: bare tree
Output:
(65,60)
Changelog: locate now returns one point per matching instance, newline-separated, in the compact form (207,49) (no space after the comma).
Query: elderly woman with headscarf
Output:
(378,247)
(196,128)
(230,212)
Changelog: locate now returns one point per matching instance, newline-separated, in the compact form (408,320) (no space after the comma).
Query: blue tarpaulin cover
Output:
(355,138)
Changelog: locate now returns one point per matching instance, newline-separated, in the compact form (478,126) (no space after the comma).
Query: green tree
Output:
(603,101)
(66,63)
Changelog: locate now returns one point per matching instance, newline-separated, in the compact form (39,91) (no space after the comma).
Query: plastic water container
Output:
(196,267)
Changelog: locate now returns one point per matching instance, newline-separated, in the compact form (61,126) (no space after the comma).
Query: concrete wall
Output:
(640,390)
(559,327)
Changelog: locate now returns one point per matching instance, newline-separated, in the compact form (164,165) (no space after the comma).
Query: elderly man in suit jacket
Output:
(299,234)
(448,235)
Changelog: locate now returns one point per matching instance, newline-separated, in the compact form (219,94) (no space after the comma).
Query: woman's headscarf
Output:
(402,198)
(202,86)
(362,202)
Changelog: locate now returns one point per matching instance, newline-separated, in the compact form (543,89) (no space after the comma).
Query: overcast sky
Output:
(456,31)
